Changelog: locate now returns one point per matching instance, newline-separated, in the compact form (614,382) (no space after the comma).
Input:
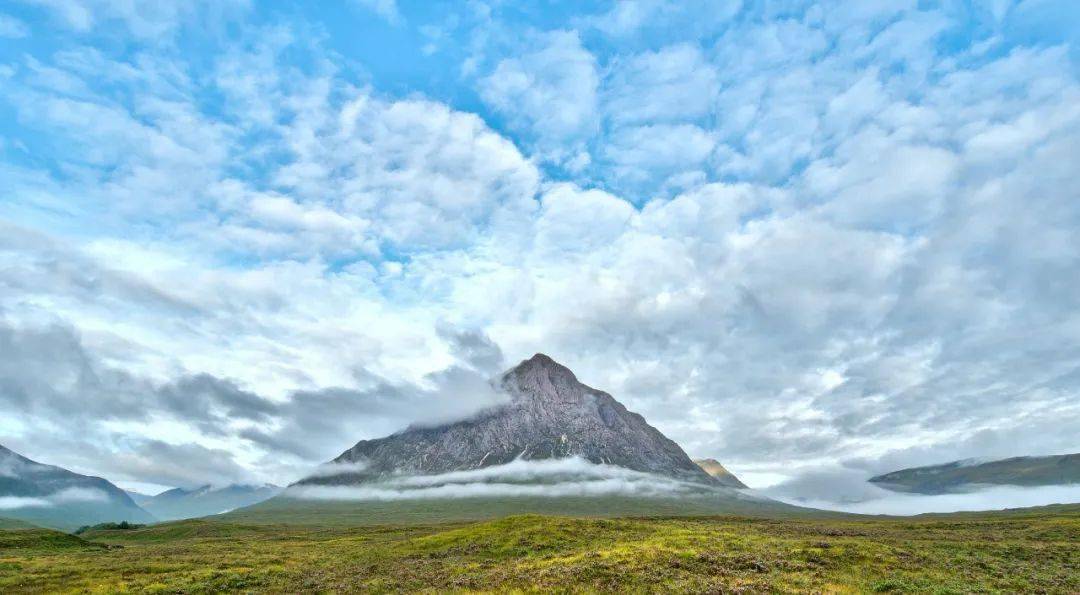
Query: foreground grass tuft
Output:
(994,553)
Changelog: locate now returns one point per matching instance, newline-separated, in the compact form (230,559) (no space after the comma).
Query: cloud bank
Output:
(848,490)
(552,478)
(65,496)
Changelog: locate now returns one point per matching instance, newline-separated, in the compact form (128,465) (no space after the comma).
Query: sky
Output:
(808,239)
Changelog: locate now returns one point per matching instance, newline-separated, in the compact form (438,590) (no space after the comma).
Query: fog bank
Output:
(548,478)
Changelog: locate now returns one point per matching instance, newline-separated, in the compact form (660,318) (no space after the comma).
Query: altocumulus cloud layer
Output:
(799,237)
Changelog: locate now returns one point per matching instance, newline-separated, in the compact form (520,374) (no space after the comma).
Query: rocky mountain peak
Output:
(541,377)
(550,415)
(719,472)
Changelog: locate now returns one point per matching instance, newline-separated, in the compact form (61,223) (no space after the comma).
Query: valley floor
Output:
(1023,551)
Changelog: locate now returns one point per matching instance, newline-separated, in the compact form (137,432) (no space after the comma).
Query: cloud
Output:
(385,9)
(78,495)
(550,89)
(791,237)
(847,490)
(132,426)
(548,478)
(65,496)
(644,152)
(333,468)
(633,18)
(12,27)
(645,87)
(143,20)
(187,465)
(16,502)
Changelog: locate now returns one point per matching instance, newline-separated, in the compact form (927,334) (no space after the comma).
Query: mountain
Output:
(54,497)
(964,475)
(179,503)
(725,477)
(138,497)
(550,415)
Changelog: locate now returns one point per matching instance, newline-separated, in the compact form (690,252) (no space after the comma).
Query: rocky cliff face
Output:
(549,415)
(722,475)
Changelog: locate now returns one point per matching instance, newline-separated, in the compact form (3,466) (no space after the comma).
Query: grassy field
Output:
(1029,551)
(428,511)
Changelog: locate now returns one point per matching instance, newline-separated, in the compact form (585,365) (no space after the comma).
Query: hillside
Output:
(6,523)
(966,475)
(720,473)
(285,510)
(51,496)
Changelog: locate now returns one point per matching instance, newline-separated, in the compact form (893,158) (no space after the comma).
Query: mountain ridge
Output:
(206,500)
(715,469)
(55,497)
(1028,471)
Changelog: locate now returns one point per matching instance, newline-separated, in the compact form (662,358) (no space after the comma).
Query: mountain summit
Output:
(549,415)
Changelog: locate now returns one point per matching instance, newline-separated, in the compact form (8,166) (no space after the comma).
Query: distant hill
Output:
(179,503)
(6,523)
(963,475)
(139,498)
(54,497)
(714,468)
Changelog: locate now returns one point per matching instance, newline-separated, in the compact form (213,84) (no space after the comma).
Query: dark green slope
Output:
(6,523)
(287,510)
(963,475)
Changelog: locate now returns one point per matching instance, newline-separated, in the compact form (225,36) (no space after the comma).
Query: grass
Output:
(1029,551)
(6,523)
(427,511)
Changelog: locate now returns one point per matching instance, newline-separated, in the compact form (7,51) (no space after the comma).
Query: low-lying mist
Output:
(546,478)
(65,496)
(848,491)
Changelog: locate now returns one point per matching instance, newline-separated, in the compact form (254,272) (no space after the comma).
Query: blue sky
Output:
(799,237)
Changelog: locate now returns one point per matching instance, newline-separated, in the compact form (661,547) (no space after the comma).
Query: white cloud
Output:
(143,19)
(65,496)
(16,502)
(630,17)
(12,28)
(851,244)
(79,495)
(642,153)
(575,220)
(673,83)
(848,491)
(547,479)
(385,9)
(550,89)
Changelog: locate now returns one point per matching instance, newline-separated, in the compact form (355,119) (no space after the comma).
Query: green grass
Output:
(6,523)
(423,511)
(1023,551)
